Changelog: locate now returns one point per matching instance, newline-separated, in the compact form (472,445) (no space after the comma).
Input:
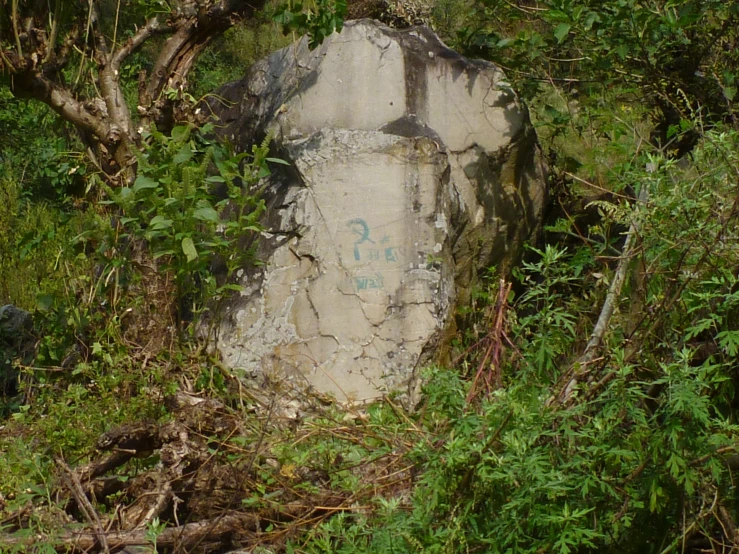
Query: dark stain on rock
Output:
(416,87)
(409,126)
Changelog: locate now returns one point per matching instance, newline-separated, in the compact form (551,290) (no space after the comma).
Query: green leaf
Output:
(703,324)
(184,155)
(556,15)
(143,182)
(672,130)
(206,213)
(44,302)
(231,286)
(180,132)
(561,32)
(622,50)
(277,161)
(159,222)
(188,247)
(729,342)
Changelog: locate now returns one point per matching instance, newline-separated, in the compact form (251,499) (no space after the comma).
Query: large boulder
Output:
(413,170)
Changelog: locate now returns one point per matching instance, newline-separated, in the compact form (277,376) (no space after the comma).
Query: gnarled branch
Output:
(32,84)
(152,27)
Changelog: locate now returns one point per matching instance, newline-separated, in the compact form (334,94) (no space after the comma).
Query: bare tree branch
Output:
(54,32)
(132,44)
(579,369)
(183,537)
(14,15)
(197,26)
(72,481)
(60,59)
(61,101)
(98,35)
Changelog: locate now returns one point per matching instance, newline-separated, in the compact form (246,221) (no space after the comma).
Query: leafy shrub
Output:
(34,240)
(154,255)
(678,58)
(174,209)
(317,18)
(37,152)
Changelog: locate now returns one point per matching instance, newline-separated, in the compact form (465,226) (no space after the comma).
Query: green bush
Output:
(679,58)
(637,459)
(173,209)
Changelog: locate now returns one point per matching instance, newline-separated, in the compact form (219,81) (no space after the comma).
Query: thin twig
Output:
(184,536)
(701,515)
(495,338)
(115,25)
(54,32)
(718,451)
(132,44)
(598,187)
(14,17)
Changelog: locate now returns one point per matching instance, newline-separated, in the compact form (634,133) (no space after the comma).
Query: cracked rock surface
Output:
(413,170)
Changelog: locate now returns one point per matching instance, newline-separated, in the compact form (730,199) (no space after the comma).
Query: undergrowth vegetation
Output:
(592,404)
(640,457)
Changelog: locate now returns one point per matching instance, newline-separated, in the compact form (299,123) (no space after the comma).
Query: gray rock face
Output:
(14,323)
(413,169)
(15,340)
